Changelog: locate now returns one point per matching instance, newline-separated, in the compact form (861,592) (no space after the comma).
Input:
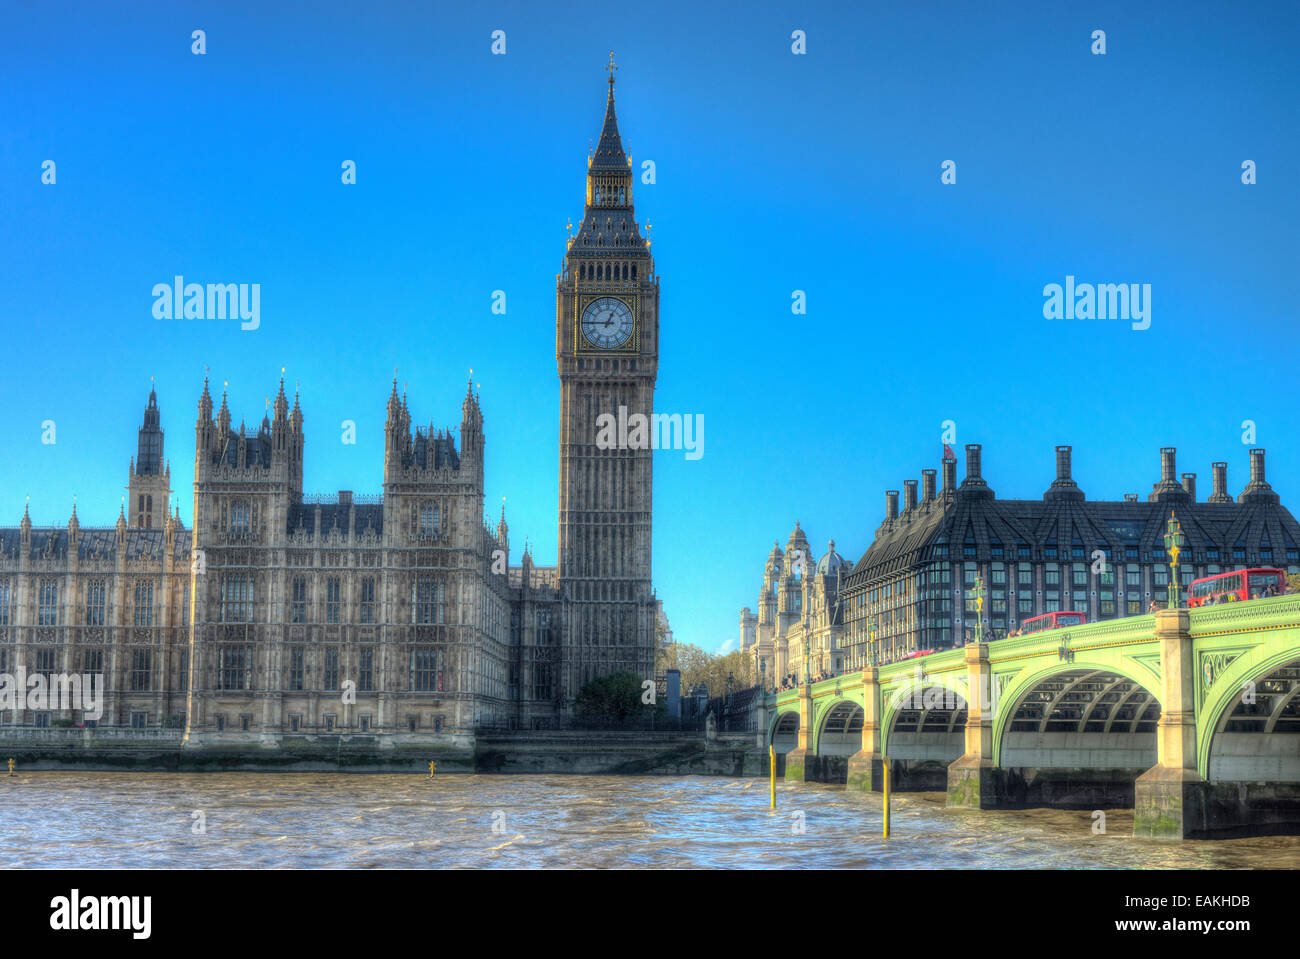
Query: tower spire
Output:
(609,155)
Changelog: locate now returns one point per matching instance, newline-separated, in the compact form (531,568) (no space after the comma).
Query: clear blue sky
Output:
(776,172)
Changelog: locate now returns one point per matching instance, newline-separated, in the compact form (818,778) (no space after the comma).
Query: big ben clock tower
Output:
(607,355)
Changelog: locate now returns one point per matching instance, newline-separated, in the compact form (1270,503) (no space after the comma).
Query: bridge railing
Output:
(1274,611)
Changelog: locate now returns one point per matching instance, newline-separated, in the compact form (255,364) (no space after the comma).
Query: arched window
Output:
(428,519)
(144,604)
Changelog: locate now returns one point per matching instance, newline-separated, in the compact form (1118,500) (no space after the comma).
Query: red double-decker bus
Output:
(1052,621)
(1240,584)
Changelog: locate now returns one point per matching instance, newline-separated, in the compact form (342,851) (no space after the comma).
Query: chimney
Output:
(1189,484)
(949,476)
(345,497)
(1258,489)
(909,494)
(891,504)
(973,485)
(1220,493)
(1168,490)
(1130,497)
(1257,467)
(1063,487)
(927,485)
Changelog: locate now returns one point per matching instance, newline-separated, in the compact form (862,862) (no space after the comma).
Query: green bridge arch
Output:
(1033,675)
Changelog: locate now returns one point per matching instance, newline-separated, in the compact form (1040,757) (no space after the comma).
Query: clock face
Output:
(607,323)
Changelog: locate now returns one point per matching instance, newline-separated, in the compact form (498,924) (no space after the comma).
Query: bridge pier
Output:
(801,762)
(866,766)
(973,780)
(1171,800)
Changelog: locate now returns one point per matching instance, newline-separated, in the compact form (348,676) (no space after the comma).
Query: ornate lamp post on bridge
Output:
(1174,541)
(978,594)
(871,640)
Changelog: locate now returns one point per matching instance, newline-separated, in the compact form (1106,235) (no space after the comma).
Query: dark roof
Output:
(92,542)
(436,452)
(302,516)
(983,521)
(609,155)
(257,448)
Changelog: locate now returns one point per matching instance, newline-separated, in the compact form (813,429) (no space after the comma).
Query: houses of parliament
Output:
(396,615)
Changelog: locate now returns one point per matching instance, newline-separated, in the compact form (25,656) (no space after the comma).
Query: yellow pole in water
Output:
(771,763)
(884,760)
(11,767)
(432,767)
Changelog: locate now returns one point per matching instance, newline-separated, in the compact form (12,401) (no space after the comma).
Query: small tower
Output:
(471,429)
(149,484)
(74,529)
(503,532)
(25,530)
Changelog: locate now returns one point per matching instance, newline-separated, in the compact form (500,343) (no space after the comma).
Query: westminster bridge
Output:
(1190,717)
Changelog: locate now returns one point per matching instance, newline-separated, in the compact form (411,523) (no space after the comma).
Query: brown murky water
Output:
(252,820)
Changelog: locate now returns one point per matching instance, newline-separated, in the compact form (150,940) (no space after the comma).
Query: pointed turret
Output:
(149,479)
(149,456)
(223,415)
(471,427)
(74,525)
(280,425)
(205,402)
(25,526)
(204,432)
(281,403)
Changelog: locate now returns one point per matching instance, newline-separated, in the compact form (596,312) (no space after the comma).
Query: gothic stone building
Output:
(911,590)
(799,627)
(397,615)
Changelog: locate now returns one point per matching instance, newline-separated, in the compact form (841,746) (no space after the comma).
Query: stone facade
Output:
(395,616)
(799,627)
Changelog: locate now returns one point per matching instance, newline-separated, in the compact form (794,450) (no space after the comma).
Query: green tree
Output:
(615,697)
(700,666)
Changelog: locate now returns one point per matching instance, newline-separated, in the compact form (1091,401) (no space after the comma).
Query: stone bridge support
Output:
(972,778)
(801,762)
(866,766)
(1171,799)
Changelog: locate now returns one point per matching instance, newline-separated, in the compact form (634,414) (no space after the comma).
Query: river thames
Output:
(254,820)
